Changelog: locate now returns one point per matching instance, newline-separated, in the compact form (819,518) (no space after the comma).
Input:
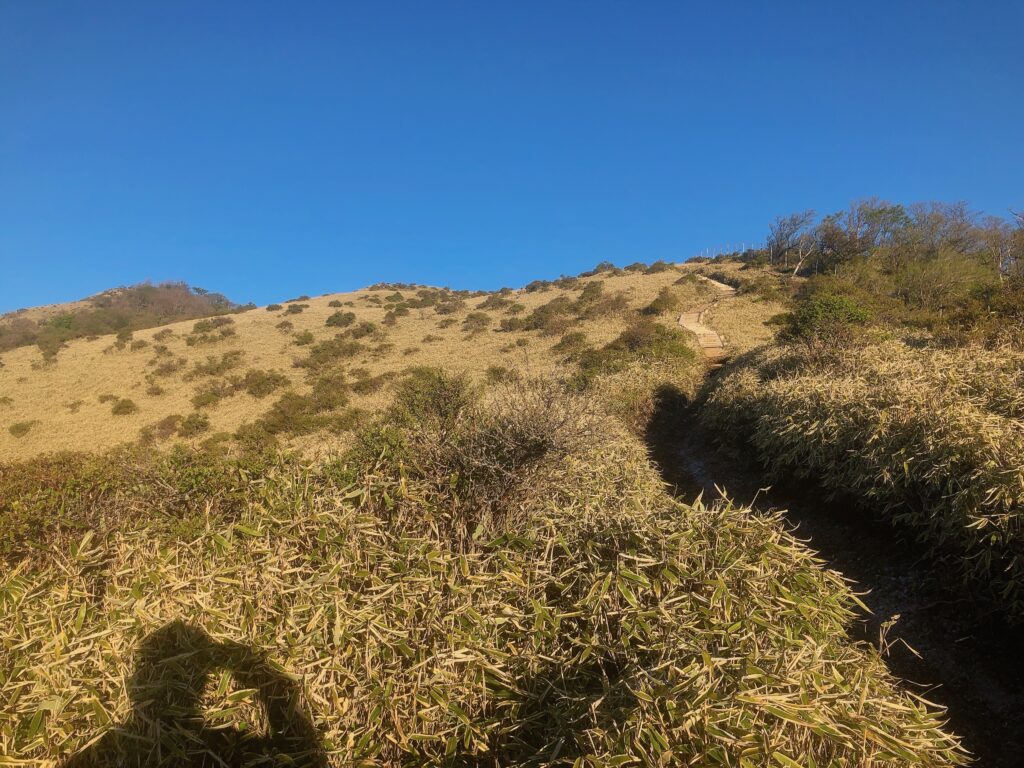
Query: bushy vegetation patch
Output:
(330,352)
(476,322)
(124,407)
(666,301)
(501,374)
(222,333)
(930,438)
(262,383)
(217,366)
(119,310)
(211,324)
(193,425)
(21,428)
(48,503)
(500,583)
(644,341)
(341,319)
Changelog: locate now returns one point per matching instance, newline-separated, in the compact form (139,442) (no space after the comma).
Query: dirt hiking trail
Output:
(942,644)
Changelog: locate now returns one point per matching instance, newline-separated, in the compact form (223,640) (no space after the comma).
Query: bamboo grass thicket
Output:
(587,619)
(930,438)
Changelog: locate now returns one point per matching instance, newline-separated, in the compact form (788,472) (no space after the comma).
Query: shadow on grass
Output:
(167,727)
(936,637)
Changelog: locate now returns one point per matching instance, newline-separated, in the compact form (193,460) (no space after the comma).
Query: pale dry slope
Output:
(60,400)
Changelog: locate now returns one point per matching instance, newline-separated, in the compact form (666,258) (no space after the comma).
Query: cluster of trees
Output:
(938,266)
(118,310)
(896,235)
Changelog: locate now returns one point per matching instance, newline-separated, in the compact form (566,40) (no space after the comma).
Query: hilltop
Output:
(117,310)
(222,373)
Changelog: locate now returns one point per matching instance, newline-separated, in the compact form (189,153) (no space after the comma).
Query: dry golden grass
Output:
(742,321)
(61,398)
(599,622)
(931,438)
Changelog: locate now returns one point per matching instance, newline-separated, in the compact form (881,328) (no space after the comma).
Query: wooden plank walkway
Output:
(711,343)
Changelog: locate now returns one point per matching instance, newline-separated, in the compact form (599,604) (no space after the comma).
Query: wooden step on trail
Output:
(708,339)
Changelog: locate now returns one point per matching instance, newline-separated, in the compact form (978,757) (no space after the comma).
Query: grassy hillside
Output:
(192,380)
(413,526)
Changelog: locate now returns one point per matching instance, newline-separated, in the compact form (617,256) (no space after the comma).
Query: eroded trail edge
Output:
(945,647)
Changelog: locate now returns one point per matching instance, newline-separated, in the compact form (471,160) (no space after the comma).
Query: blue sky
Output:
(268,149)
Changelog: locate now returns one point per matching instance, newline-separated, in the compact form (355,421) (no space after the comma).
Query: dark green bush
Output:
(262,383)
(643,341)
(475,322)
(124,407)
(194,424)
(21,428)
(341,319)
(826,317)
(212,323)
(666,301)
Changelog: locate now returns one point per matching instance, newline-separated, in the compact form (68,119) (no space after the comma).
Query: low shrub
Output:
(169,367)
(296,309)
(364,329)
(211,324)
(341,319)
(194,339)
(194,425)
(124,407)
(21,428)
(274,307)
(827,320)
(666,301)
(330,352)
(303,338)
(571,344)
(644,341)
(449,306)
(217,366)
(259,383)
(500,374)
(476,322)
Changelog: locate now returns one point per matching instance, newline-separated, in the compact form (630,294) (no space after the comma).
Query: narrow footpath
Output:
(941,643)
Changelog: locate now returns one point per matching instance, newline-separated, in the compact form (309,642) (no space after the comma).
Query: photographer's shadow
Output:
(167,727)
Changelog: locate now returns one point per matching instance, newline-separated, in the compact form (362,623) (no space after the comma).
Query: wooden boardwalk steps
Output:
(709,340)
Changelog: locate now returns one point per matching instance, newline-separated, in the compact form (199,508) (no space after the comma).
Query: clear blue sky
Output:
(267,149)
